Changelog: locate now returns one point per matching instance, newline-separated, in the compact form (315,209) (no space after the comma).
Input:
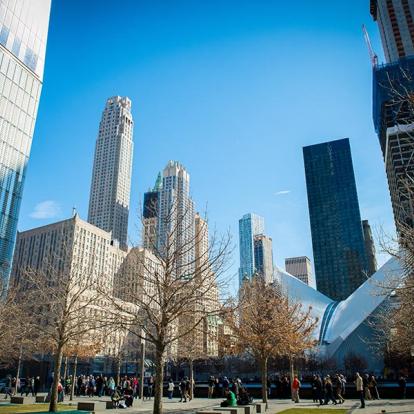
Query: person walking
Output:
(359,384)
(402,382)
(170,388)
(329,395)
(211,384)
(373,389)
(317,389)
(111,386)
(295,389)
(150,386)
(183,392)
(36,385)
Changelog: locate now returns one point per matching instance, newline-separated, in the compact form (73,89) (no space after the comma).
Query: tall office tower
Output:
(369,248)
(337,238)
(23,35)
(263,256)
(150,215)
(301,268)
(396,24)
(250,225)
(112,169)
(393,110)
(176,218)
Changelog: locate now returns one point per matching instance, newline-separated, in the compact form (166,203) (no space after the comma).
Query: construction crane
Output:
(372,55)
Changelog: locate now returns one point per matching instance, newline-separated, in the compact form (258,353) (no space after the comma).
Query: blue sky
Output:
(232,89)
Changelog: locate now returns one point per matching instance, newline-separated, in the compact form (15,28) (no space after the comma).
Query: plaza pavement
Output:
(275,406)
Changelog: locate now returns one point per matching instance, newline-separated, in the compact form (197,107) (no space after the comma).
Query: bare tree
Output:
(171,285)
(62,299)
(267,325)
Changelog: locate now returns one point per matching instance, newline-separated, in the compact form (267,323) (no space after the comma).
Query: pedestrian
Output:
(402,382)
(359,383)
(36,385)
(317,389)
(373,389)
(111,386)
(337,388)
(183,390)
(9,388)
(365,380)
(295,389)
(329,395)
(170,389)
(188,385)
(211,383)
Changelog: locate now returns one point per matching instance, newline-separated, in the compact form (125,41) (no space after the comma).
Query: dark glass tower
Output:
(337,237)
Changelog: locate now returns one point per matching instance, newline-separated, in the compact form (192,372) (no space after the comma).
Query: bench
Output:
(248,409)
(91,405)
(230,410)
(17,400)
(40,398)
(261,407)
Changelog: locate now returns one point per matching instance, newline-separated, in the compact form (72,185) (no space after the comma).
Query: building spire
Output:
(158,183)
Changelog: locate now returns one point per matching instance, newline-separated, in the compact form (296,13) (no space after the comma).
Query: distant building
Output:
(369,248)
(250,225)
(396,25)
(23,37)
(337,237)
(112,170)
(301,268)
(263,257)
(176,218)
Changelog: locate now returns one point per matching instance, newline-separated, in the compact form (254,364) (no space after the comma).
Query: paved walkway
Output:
(275,406)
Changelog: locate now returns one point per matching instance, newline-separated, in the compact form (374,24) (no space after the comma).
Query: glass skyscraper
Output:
(337,236)
(23,35)
(250,225)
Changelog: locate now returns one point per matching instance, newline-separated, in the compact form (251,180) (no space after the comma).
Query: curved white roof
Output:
(338,320)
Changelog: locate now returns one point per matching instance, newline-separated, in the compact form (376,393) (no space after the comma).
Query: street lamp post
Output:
(141,383)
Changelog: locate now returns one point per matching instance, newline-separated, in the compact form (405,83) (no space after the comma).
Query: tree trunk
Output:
(292,375)
(159,378)
(56,378)
(191,379)
(118,371)
(263,368)
(65,368)
(19,364)
(75,366)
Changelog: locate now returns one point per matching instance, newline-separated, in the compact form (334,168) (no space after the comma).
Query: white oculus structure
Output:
(337,321)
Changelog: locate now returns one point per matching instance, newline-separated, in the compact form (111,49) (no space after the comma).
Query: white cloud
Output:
(46,210)
(281,192)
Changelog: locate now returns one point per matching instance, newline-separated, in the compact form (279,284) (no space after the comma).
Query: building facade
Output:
(395,20)
(369,248)
(250,225)
(150,215)
(176,218)
(112,168)
(337,237)
(23,35)
(301,268)
(263,257)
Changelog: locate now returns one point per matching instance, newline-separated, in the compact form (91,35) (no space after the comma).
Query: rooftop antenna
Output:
(372,55)
(74,211)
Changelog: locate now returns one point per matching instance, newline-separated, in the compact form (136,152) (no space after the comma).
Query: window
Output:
(4,35)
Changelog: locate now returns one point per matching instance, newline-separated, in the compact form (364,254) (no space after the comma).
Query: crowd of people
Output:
(325,390)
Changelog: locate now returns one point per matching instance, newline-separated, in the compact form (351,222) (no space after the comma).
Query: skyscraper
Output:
(112,169)
(176,218)
(396,24)
(393,113)
(250,225)
(337,238)
(301,268)
(263,257)
(23,35)
(369,248)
